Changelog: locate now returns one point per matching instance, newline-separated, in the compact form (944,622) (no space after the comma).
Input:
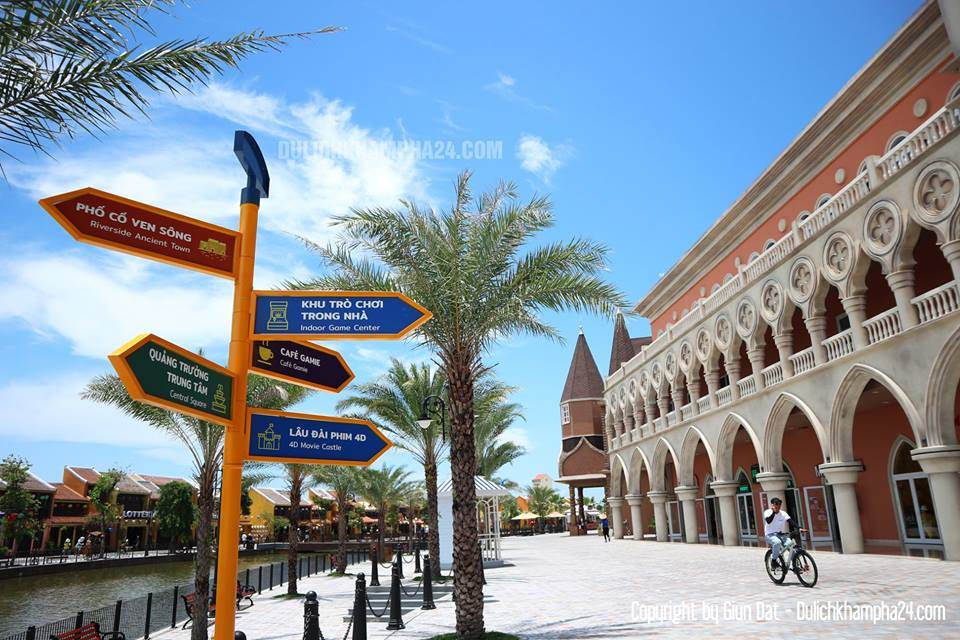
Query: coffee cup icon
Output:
(265,354)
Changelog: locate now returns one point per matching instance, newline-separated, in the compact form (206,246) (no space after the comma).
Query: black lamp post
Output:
(433,405)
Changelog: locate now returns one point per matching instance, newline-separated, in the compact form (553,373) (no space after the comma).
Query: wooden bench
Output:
(189,605)
(245,592)
(89,631)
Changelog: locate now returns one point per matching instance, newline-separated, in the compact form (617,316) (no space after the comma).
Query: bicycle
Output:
(799,561)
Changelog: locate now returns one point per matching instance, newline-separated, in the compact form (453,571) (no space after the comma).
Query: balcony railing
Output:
(883,326)
(772,375)
(937,303)
(686,411)
(839,345)
(747,386)
(803,361)
(937,127)
(703,404)
(724,396)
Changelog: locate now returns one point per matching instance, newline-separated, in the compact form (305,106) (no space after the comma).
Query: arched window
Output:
(954,93)
(822,200)
(727,278)
(914,502)
(803,217)
(769,243)
(896,139)
(753,256)
(714,289)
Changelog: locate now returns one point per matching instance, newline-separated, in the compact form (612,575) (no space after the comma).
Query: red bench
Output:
(89,631)
(189,605)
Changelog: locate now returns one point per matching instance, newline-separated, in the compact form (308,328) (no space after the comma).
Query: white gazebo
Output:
(488,520)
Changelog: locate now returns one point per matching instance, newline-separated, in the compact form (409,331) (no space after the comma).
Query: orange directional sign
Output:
(106,220)
(281,436)
(160,373)
(302,363)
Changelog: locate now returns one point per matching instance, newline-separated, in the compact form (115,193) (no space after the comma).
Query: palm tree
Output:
(394,402)
(344,482)
(299,477)
(383,488)
(467,266)
(494,416)
(542,500)
(73,67)
(204,442)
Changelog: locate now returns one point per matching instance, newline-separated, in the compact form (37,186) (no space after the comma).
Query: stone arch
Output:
(688,451)
(659,464)
(776,424)
(638,463)
(728,433)
(845,407)
(618,469)
(941,391)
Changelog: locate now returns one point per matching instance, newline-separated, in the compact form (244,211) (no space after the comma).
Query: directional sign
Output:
(278,436)
(302,363)
(160,373)
(319,315)
(106,220)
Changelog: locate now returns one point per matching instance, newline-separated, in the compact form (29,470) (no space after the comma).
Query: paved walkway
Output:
(582,588)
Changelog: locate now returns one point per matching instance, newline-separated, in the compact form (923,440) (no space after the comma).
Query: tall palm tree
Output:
(542,500)
(68,67)
(394,402)
(468,266)
(383,488)
(494,416)
(298,477)
(204,442)
(344,482)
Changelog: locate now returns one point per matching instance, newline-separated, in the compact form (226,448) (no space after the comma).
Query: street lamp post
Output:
(433,405)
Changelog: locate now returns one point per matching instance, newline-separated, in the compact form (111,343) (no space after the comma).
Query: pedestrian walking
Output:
(605,528)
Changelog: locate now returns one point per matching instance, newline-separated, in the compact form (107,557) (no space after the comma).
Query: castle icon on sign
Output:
(268,440)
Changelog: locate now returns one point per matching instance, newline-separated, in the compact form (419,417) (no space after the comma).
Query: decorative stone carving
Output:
(771,300)
(657,375)
(686,355)
(803,279)
(703,344)
(936,192)
(838,256)
(882,227)
(644,381)
(746,317)
(670,363)
(633,388)
(724,331)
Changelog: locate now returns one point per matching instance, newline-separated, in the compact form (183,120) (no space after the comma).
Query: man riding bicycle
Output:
(778,525)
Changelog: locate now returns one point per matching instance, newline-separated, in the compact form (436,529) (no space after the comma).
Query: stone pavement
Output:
(583,588)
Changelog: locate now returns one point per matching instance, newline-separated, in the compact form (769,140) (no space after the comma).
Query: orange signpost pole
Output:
(235,439)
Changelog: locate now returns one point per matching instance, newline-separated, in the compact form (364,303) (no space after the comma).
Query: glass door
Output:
(748,519)
(914,503)
(818,514)
(675,519)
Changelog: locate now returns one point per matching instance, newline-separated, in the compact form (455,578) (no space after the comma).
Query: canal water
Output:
(45,598)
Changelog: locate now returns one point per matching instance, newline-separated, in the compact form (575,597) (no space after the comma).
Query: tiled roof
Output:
(583,378)
(129,485)
(86,474)
(622,349)
(33,484)
(278,497)
(66,494)
(640,342)
(483,487)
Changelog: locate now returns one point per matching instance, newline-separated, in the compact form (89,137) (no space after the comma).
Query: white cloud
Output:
(324,164)
(52,410)
(505,87)
(97,306)
(538,157)
(417,34)
(505,80)
(517,435)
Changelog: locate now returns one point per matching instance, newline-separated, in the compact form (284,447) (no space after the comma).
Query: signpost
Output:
(106,220)
(301,363)
(266,334)
(160,373)
(279,436)
(319,315)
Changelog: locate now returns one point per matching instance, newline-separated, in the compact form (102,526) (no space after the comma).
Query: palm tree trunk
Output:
(341,534)
(202,562)
(433,539)
(293,534)
(467,571)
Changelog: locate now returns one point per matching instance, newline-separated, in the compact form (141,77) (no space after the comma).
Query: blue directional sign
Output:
(279,436)
(320,315)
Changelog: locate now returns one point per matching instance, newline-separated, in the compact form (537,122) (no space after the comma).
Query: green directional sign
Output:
(160,373)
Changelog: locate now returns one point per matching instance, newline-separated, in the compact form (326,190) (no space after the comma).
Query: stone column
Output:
(784,342)
(659,500)
(616,515)
(650,409)
(775,486)
(628,422)
(693,390)
(733,373)
(902,284)
(677,396)
(663,403)
(638,418)
(842,476)
(688,501)
(817,328)
(951,251)
(618,426)
(942,466)
(580,505)
(635,501)
(856,308)
(574,524)
(726,498)
(756,356)
(712,376)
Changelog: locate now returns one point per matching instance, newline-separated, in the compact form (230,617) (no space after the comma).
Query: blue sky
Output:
(643,121)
